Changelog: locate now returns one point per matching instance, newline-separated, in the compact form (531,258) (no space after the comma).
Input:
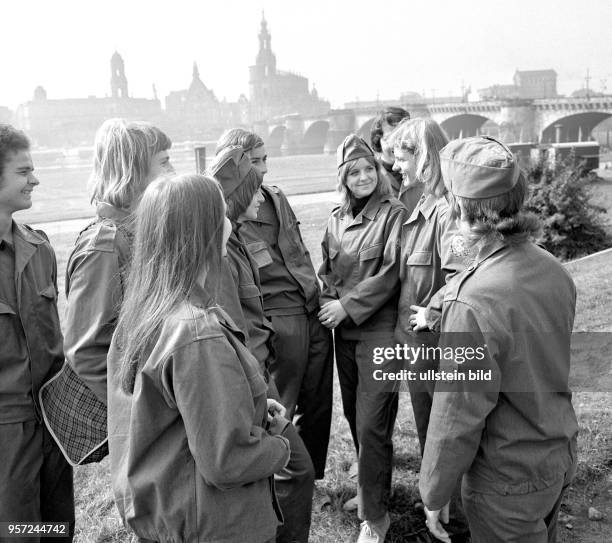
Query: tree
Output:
(572,224)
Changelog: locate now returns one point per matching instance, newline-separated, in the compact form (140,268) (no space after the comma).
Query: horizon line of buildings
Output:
(196,113)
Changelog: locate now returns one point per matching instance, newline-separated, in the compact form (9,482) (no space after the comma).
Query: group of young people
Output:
(201,333)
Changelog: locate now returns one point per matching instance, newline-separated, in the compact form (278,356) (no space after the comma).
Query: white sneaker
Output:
(351,505)
(374,532)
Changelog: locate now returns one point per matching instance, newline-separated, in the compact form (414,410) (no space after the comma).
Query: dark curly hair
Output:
(11,141)
(391,115)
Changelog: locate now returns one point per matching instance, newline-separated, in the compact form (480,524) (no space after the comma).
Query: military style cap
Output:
(479,167)
(352,148)
(230,168)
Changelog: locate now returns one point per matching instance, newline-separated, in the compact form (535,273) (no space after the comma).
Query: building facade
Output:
(274,93)
(196,113)
(527,85)
(74,121)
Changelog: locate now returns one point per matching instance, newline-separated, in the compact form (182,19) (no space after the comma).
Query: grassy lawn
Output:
(97,518)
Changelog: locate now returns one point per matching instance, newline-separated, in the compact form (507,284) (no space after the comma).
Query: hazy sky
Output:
(348,48)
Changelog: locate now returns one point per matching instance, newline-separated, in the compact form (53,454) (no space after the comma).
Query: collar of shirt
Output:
(107,211)
(371,208)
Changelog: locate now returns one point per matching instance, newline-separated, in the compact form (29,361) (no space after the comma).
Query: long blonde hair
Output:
(425,138)
(178,238)
(122,158)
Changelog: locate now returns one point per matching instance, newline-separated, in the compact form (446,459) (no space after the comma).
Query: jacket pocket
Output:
(248,291)
(6,309)
(259,252)
(419,258)
(375,251)
(48,292)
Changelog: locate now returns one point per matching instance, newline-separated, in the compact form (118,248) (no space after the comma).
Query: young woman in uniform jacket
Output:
(191,460)
(360,274)
(510,437)
(427,260)
(240,182)
(127,157)
(303,362)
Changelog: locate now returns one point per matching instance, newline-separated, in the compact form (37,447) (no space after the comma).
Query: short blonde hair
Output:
(122,160)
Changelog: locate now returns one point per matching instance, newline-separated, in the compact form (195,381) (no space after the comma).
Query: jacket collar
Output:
(425,206)
(107,211)
(25,243)
(372,207)
(200,298)
(489,248)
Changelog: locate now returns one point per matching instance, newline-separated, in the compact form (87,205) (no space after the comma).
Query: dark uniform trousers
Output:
(534,515)
(295,482)
(370,407)
(303,373)
(36,479)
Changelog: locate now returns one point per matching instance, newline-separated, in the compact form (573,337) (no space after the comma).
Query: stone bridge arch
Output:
(464,125)
(575,127)
(315,136)
(275,139)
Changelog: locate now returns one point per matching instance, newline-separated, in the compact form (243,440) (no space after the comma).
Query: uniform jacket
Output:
(95,281)
(290,244)
(190,459)
(361,265)
(516,433)
(36,290)
(259,329)
(426,262)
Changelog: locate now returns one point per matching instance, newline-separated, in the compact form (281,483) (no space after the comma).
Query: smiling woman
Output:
(359,301)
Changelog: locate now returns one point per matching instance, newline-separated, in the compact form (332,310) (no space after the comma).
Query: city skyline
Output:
(339,49)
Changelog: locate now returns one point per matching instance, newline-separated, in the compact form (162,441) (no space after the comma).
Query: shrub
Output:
(572,225)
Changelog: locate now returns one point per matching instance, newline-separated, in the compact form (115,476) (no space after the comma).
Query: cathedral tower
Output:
(119,87)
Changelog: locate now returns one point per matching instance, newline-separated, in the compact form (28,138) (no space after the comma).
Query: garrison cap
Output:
(352,148)
(479,167)
(230,168)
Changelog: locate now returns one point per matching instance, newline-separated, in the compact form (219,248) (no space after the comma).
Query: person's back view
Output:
(508,427)
(193,443)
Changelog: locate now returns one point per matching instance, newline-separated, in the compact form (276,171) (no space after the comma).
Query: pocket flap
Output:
(259,252)
(419,258)
(48,292)
(246,292)
(6,309)
(374,251)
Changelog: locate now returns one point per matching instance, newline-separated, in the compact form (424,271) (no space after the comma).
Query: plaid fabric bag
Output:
(75,417)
